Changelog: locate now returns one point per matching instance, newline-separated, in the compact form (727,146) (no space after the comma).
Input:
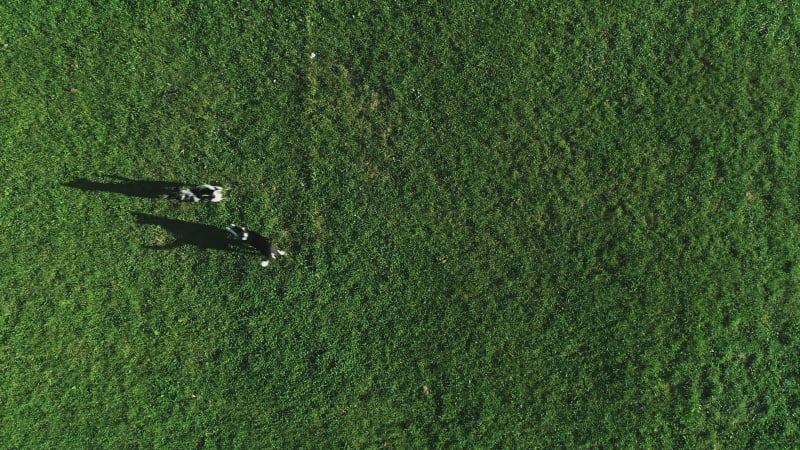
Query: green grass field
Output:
(509,225)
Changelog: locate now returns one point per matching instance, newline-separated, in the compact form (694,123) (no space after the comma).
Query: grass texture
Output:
(509,224)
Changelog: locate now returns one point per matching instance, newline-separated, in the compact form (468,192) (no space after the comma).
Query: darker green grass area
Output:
(515,225)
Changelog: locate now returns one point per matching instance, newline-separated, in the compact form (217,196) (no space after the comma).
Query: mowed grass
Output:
(509,225)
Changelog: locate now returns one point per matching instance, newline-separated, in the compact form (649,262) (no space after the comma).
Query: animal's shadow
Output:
(127,186)
(191,233)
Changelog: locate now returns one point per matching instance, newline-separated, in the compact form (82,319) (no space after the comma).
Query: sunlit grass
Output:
(513,226)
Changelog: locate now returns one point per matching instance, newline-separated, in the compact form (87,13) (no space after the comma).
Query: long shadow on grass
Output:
(191,233)
(127,186)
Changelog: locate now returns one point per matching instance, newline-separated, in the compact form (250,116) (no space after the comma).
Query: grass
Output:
(519,225)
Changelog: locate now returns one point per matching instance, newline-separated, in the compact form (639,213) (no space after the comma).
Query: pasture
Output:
(508,224)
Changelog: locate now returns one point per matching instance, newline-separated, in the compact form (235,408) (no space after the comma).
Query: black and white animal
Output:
(257,241)
(202,193)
